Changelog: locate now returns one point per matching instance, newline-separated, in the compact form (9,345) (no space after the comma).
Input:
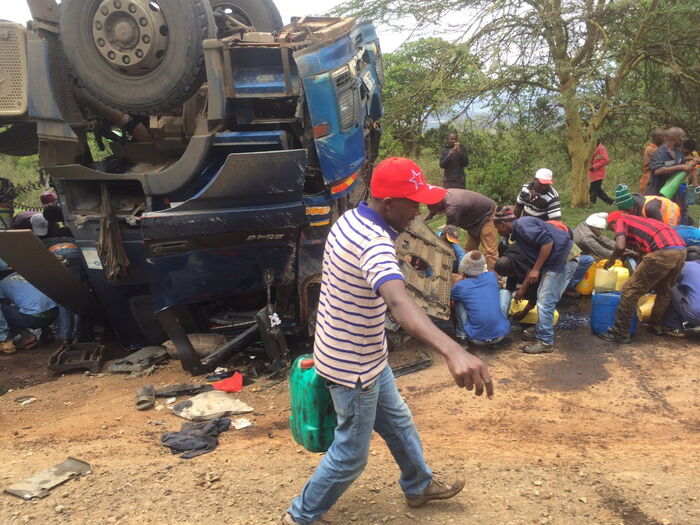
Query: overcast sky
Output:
(17,11)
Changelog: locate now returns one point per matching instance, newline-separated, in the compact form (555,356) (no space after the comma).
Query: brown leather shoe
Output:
(436,490)
(27,340)
(7,347)
(288,520)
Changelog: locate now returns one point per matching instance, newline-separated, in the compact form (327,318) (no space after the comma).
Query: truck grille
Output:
(13,70)
(342,78)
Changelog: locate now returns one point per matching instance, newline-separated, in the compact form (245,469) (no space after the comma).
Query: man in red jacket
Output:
(596,175)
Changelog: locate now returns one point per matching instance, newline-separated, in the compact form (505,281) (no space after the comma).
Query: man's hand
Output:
(517,316)
(533,277)
(469,371)
(609,263)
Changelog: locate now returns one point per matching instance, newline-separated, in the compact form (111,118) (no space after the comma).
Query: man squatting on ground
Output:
(361,280)
(664,256)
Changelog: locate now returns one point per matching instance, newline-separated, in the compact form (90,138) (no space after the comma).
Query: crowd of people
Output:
(28,317)
(539,259)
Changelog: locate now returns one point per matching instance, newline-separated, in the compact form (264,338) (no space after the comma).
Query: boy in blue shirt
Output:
(479,319)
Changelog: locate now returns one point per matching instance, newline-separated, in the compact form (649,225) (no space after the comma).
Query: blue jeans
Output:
(17,320)
(379,407)
(4,328)
(69,324)
(505,297)
(584,263)
(552,286)
(461,320)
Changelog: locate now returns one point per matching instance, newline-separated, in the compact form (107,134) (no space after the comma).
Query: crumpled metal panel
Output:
(428,284)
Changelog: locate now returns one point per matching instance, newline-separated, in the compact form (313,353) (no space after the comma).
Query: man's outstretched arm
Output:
(468,371)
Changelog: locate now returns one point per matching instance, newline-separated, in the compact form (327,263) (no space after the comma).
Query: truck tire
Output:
(139,56)
(263,15)
(19,140)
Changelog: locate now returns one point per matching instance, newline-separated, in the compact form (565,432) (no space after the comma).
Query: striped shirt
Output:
(647,235)
(545,206)
(350,344)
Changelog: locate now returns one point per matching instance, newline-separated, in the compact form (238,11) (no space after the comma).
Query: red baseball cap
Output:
(401,178)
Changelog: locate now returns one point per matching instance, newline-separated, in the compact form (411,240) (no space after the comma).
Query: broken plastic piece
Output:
(141,360)
(39,485)
(78,356)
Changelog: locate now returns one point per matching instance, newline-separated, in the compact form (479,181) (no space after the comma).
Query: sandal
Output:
(145,397)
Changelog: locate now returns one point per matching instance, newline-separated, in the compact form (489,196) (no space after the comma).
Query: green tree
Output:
(579,53)
(423,80)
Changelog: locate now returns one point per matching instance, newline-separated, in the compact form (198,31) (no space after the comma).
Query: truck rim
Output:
(132,36)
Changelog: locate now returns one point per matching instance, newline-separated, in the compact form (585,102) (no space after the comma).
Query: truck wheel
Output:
(263,15)
(139,56)
(19,139)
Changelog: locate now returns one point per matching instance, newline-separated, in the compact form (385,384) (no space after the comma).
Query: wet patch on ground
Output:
(629,513)
(582,364)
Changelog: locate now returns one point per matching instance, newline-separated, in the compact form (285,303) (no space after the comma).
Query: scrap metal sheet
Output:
(430,289)
(28,256)
(39,485)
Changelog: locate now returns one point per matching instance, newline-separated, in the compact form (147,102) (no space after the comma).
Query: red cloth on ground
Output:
(230,384)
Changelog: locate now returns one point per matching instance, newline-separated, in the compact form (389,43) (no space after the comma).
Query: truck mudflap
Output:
(426,263)
(218,243)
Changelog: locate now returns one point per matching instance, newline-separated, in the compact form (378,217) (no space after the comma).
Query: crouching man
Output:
(664,256)
(479,319)
(361,280)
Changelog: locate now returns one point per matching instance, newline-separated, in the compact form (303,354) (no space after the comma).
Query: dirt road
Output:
(594,433)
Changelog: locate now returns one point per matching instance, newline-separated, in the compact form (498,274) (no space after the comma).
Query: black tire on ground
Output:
(19,140)
(174,80)
(261,14)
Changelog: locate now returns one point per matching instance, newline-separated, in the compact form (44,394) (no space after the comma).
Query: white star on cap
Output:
(416,178)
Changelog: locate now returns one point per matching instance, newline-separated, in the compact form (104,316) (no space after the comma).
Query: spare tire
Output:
(263,15)
(139,56)
(19,140)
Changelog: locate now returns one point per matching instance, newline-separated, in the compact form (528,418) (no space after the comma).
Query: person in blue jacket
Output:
(479,319)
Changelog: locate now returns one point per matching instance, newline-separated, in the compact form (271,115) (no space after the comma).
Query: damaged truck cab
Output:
(211,205)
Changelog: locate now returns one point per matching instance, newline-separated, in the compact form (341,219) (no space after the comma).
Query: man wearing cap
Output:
(589,236)
(553,263)
(474,213)
(479,319)
(450,234)
(664,255)
(649,206)
(538,198)
(362,280)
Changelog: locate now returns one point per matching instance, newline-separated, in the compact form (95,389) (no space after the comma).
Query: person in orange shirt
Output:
(657,138)
(596,175)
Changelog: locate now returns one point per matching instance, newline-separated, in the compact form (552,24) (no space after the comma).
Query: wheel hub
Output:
(131,35)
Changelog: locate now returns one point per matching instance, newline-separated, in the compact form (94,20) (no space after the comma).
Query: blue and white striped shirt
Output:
(359,257)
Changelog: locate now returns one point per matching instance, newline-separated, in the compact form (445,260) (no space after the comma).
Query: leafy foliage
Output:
(579,64)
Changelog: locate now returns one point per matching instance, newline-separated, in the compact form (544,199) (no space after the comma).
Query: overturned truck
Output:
(232,142)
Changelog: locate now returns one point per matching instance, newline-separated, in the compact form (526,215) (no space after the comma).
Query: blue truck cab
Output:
(222,199)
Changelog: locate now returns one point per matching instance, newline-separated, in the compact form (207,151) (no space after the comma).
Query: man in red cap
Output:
(664,256)
(361,280)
